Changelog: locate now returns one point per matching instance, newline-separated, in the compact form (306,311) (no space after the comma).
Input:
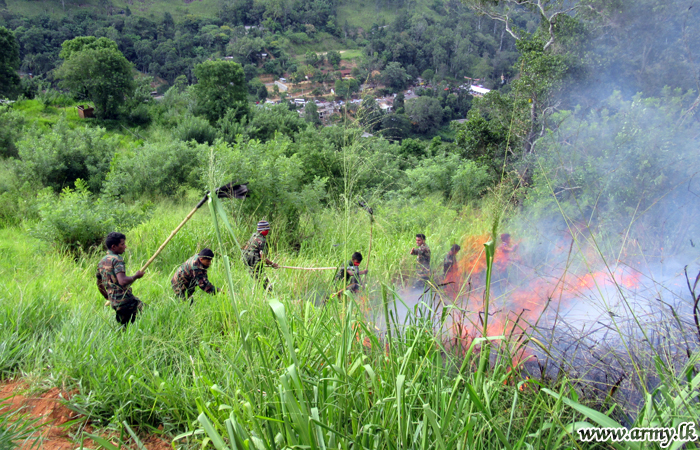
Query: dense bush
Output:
(158,168)
(277,191)
(59,157)
(617,164)
(449,175)
(194,128)
(11,123)
(78,222)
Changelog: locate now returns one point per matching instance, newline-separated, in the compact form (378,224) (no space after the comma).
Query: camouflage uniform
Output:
(253,253)
(124,303)
(350,276)
(423,267)
(448,263)
(190,275)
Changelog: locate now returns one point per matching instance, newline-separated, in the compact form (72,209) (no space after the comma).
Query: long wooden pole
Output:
(172,235)
(307,268)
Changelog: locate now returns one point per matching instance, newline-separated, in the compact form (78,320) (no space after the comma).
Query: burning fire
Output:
(520,294)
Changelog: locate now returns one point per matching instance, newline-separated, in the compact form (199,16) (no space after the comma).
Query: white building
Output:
(479,91)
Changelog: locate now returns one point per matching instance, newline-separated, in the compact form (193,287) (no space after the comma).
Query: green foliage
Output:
(483,141)
(82,43)
(59,157)
(15,427)
(265,122)
(96,69)
(311,58)
(425,113)
(277,191)
(449,175)
(77,222)
(11,128)
(334,58)
(193,128)
(220,86)
(394,76)
(160,168)
(368,114)
(617,163)
(311,113)
(9,64)
(396,126)
(257,89)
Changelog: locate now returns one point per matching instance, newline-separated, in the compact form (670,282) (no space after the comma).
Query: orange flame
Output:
(514,308)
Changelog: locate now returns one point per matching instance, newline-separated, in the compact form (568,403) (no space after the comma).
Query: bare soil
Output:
(49,411)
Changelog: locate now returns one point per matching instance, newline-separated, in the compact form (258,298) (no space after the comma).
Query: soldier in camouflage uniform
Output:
(254,253)
(351,274)
(193,273)
(423,260)
(450,260)
(113,283)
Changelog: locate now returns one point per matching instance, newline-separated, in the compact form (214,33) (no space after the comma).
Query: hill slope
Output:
(357,13)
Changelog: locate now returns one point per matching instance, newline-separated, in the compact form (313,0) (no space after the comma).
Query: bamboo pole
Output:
(172,235)
(307,268)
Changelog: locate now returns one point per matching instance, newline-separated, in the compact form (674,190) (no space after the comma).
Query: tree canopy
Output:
(220,86)
(9,63)
(96,69)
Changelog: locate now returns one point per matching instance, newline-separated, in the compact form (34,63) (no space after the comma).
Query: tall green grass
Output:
(249,369)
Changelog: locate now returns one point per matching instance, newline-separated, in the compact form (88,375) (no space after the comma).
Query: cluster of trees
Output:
(559,59)
(454,44)
(162,48)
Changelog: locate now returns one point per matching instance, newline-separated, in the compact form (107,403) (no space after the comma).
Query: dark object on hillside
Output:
(233,190)
(226,191)
(86,112)
(367,208)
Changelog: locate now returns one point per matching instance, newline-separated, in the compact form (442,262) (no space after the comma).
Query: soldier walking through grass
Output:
(350,275)
(255,253)
(193,273)
(422,251)
(114,284)
(450,261)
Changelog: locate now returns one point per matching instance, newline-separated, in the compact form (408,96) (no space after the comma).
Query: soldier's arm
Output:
(101,287)
(125,281)
(413,251)
(205,284)
(267,260)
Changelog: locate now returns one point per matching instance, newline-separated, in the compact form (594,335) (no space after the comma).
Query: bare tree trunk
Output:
(529,140)
(500,46)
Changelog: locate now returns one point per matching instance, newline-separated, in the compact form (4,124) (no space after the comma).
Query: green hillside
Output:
(357,13)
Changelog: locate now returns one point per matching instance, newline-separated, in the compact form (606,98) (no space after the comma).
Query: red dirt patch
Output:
(49,412)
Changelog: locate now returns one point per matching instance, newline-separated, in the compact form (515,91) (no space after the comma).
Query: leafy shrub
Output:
(61,156)
(193,128)
(455,178)
(139,115)
(299,38)
(469,181)
(48,97)
(17,199)
(11,124)
(76,221)
(264,122)
(159,168)
(275,180)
